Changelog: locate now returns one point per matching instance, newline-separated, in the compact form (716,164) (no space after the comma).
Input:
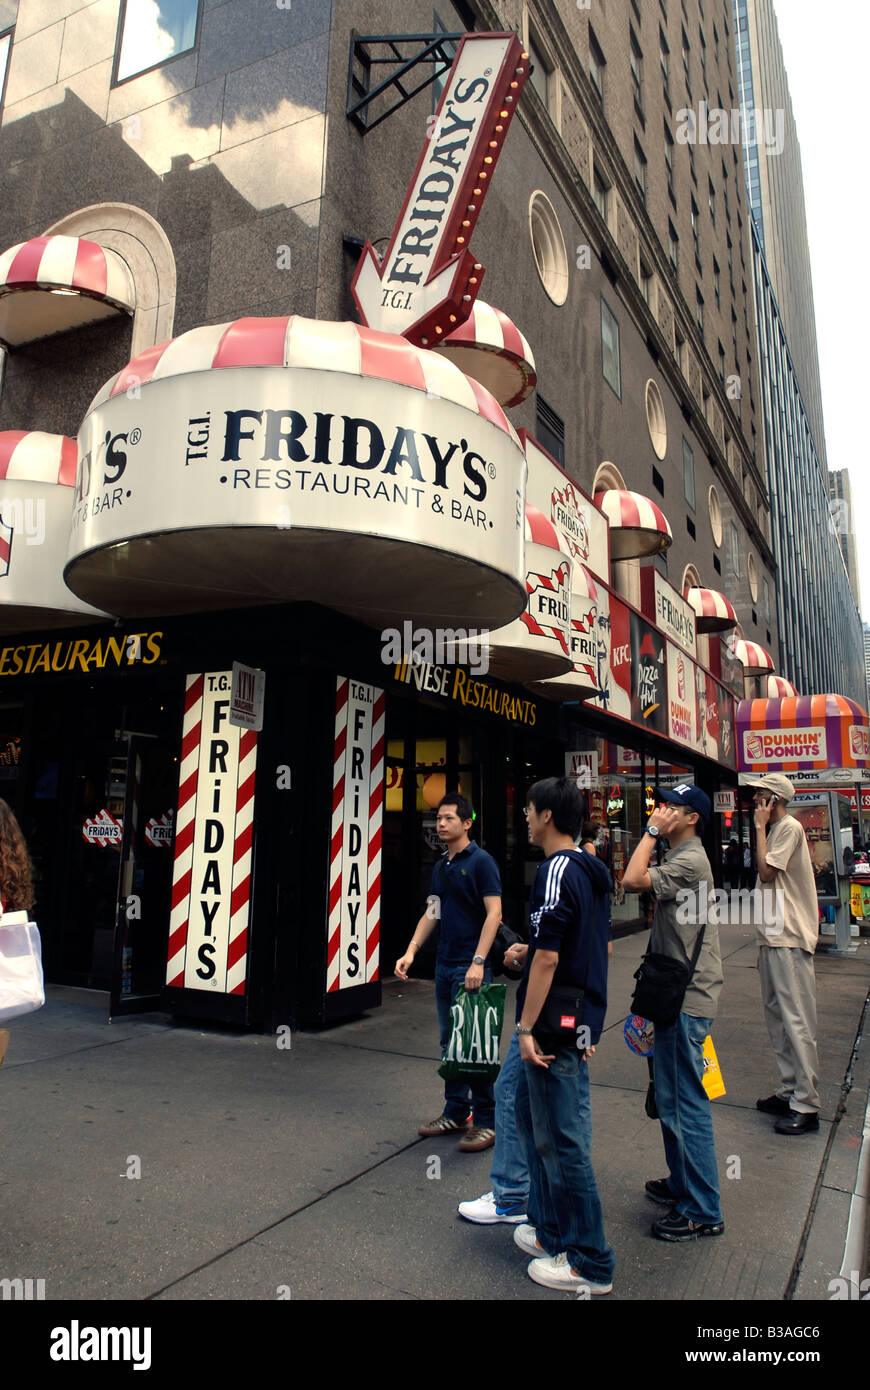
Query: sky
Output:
(825,50)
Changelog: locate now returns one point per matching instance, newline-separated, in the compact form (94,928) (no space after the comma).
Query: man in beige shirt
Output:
(786,949)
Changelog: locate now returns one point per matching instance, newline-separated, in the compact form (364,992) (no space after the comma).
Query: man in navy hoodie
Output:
(568,947)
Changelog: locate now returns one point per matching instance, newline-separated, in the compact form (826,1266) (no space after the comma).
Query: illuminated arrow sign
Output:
(428,280)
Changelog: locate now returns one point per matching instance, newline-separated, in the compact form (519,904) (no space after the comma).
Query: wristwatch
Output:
(521,1029)
(477,960)
(654,831)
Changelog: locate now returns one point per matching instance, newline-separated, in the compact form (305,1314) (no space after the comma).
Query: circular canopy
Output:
(637,526)
(53,283)
(712,610)
(756,660)
(37,473)
(535,645)
(35,457)
(276,460)
(778,688)
(490,347)
(295,341)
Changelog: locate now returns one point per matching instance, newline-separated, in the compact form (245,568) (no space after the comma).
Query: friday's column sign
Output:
(354,907)
(211,887)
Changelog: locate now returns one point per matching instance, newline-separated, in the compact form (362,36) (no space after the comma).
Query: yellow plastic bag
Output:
(713,1082)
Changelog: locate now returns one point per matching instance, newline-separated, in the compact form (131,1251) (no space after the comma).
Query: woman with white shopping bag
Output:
(21,988)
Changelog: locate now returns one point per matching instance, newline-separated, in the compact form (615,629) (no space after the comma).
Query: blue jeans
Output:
(460,1096)
(564,1206)
(509,1174)
(684,1112)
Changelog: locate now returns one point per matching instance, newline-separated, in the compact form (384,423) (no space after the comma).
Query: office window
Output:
(610,349)
(669,164)
(640,169)
(635,58)
(5,45)
(699,310)
(673,246)
(596,65)
(152,32)
(696,238)
(645,281)
(550,429)
(734,540)
(689,474)
(721,363)
(600,190)
(680,349)
(543,76)
(716,283)
(711,200)
(685,50)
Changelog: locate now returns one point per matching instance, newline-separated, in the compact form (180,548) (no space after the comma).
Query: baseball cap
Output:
(775,782)
(687,794)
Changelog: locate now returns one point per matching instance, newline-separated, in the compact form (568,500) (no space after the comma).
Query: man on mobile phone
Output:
(684,877)
(786,948)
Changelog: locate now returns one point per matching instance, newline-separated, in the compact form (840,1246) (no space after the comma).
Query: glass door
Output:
(144,885)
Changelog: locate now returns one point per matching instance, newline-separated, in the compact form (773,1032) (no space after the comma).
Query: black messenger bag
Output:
(661,985)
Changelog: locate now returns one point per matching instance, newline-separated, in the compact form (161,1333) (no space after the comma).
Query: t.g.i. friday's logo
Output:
(566,513)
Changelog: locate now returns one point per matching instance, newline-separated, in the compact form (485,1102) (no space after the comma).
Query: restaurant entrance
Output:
(96,803)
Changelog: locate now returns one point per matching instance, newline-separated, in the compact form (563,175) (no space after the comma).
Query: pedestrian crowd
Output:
(537,1117)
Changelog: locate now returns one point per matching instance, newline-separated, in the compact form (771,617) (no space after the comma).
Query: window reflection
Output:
(5,43)
(155,31)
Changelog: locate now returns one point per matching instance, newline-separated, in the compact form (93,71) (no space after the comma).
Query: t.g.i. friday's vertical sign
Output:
(354,905)
(211,881)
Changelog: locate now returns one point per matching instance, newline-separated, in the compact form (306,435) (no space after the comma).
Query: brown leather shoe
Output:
(477,1139)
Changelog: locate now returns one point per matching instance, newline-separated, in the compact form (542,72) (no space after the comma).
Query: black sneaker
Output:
(675,1227)
(658,1190)
(773,1105)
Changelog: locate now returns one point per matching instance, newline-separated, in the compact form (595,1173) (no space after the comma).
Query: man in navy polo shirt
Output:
(466,898)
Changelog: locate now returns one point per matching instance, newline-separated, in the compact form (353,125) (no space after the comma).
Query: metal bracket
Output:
(370,52)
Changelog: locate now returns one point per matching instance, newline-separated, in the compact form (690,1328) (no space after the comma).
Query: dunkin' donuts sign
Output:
(784,745)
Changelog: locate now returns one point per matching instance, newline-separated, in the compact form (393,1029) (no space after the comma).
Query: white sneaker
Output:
(487,1212)
(554,1272)
(525,1238)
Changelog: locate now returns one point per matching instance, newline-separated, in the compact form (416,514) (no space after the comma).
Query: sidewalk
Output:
(264,1167)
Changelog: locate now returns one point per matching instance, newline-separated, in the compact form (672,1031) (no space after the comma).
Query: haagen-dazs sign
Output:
(274,483)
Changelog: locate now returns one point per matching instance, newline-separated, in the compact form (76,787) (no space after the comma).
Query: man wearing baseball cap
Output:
(786,949)
(691,1189)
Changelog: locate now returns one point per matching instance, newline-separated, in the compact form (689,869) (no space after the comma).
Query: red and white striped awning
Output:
(756,660)
(637,526)
(541,530)
(778,688)
(490,348)
(35,457)
(712,610)
(295,341)
(53,283)
(37,475)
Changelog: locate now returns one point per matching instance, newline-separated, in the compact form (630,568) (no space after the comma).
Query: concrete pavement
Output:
(270,1172)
